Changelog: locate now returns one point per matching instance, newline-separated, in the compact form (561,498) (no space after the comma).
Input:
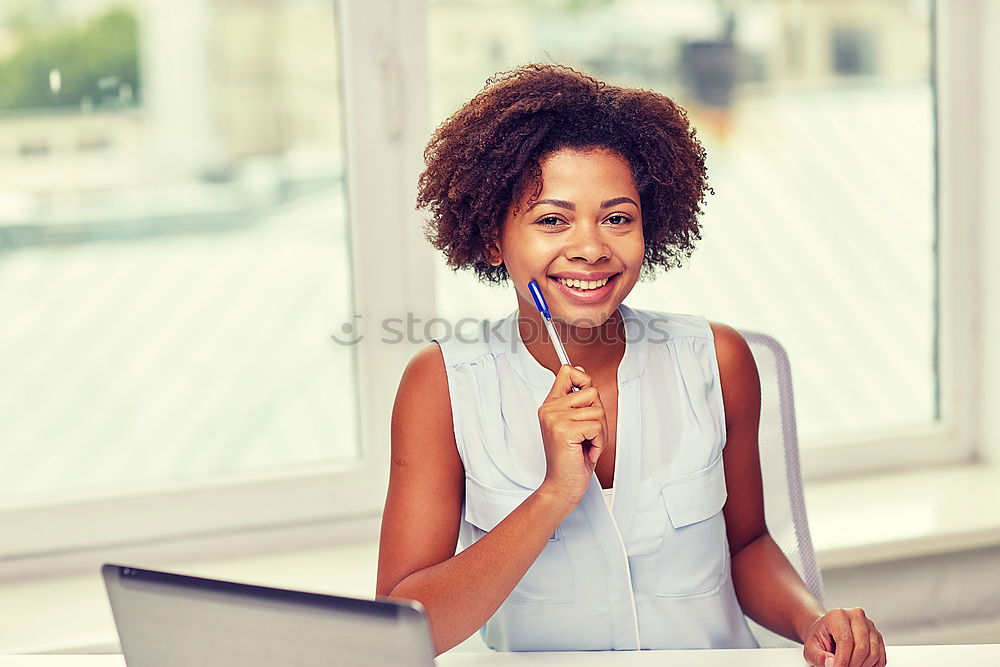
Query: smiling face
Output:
(581,239)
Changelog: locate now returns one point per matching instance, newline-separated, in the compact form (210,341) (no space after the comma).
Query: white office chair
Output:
(784,503)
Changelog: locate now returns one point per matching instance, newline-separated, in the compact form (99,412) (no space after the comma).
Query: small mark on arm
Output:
(399,462)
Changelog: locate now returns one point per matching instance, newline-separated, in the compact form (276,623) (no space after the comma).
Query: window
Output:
(172,295)
(199,243)
(818,119)
(178,258)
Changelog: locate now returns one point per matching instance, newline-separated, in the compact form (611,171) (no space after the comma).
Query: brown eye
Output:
(549,221)
(621,220)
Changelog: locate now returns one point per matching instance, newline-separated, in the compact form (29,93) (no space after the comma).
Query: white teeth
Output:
(584,284)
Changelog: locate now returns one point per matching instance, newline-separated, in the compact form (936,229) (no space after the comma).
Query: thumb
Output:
(822,659)
(817,657)
(595,450)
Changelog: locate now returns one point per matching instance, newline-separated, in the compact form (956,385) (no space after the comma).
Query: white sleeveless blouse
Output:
(651,571)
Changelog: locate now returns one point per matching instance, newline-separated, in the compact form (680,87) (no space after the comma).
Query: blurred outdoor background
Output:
(175,244)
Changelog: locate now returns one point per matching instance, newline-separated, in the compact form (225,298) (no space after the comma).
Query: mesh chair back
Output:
(784,503)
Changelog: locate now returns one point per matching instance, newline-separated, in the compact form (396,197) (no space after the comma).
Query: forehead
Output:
(586,170)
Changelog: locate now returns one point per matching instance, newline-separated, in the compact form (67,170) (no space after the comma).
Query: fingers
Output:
(838,624)
(591,431)
(574,418)
(597,444)
(850,635)
(573,425)
(561,396)
(858,643)
(874,650)
(584,414)
(869,648)
(594,453)
(568,377)
(815,655)
(583,398)
(817,645)
(877,646)
(572,407)
(859,632)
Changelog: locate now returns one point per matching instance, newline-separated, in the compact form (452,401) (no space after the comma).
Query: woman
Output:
(626,513)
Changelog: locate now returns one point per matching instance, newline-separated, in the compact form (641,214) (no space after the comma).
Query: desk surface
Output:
(973,655)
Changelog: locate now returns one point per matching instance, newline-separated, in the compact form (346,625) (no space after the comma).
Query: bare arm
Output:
(417,559)
(768,587)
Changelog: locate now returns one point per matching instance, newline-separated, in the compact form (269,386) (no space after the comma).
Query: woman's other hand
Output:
(844,638)
(573,433)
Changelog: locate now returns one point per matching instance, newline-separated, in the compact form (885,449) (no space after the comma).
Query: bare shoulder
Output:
(428,364)
(737,371)
(731,348)
(423,403)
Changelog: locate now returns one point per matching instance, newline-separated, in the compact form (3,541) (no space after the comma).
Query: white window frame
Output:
(956,438)
(987,169)
(384,92)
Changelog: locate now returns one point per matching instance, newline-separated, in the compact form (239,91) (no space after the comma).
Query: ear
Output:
(493,255)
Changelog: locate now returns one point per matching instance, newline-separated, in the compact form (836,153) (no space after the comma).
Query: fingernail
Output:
(828,663)
(579,368)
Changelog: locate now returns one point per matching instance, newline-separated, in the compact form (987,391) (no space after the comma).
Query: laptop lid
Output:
(173,620)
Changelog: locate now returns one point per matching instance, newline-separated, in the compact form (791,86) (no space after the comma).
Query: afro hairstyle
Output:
(481,161)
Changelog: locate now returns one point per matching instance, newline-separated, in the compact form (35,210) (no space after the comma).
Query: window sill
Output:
(904,514)
(853,522)
(71,614)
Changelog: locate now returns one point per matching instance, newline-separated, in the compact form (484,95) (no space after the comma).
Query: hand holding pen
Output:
(573,422)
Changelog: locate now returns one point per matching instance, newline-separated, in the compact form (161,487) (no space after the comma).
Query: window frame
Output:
(988,171)
(955,438)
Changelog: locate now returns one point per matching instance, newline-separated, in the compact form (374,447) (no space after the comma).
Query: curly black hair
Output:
(481,160)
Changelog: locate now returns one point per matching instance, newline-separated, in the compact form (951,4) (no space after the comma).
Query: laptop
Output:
(174,620)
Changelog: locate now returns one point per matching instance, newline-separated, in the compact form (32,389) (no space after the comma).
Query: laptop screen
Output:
(174,620)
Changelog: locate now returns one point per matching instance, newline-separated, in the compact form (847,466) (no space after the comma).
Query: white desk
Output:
(981,655)
(973,655)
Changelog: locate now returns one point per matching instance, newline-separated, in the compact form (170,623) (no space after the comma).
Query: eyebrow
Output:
(618,200)
(562,203)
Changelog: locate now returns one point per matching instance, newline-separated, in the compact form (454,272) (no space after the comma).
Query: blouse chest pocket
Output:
(550,578)
(694,556)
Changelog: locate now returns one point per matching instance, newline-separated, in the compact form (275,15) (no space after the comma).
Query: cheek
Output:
(637,248)
(528,250)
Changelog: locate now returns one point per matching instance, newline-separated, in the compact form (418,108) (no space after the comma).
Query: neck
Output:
(599,350)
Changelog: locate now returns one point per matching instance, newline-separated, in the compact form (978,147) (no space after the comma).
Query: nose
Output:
(587,243)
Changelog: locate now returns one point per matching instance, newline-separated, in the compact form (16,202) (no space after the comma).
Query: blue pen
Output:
(543,308)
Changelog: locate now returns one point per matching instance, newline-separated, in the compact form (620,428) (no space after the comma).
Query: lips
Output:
(579,296)
(579,275)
